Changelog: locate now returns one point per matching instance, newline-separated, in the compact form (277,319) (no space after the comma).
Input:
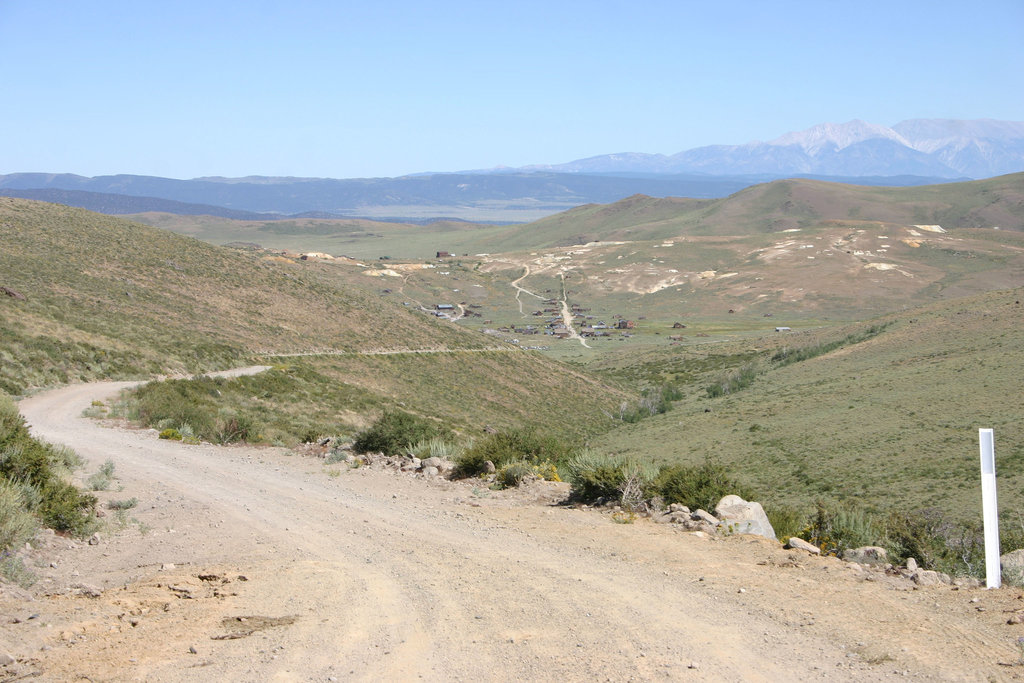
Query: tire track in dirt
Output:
(393,577)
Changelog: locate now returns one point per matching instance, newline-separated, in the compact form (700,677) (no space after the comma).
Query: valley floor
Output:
(256,564)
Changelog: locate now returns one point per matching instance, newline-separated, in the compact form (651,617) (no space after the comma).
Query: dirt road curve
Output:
(372,575)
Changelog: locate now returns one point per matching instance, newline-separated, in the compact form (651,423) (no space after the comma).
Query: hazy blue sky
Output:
(349,89)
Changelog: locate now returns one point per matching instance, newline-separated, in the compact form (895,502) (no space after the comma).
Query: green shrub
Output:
(17,525)
(176,402)
(513,474)
(38,469)
(786,520)
(843,526)
(234,427)
(788,356)
(127,504)
(510,446)
(66,458)
(101,480)
(733,382)
(699,487)
(937,543)
(15,571)
(654,401)
(595,477)
(171,433)
(65,508)
(436,447)
(396,430)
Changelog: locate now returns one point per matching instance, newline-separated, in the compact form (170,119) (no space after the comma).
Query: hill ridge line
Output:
(387,352)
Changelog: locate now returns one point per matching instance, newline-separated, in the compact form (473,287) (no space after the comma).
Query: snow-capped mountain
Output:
(930,147)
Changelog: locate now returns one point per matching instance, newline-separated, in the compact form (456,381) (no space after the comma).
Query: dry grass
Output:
(890,422)
(107,297)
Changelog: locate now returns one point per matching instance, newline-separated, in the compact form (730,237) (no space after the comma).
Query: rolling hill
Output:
(776,206)
(889,423)
(87,296)
(805,252)
(761,209)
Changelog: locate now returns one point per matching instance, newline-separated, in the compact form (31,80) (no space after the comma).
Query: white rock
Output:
(742,517)
(925,577)
(868,554)
(703,516)
(795,543)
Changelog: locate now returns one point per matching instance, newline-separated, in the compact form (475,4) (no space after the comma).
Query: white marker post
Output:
(990,510)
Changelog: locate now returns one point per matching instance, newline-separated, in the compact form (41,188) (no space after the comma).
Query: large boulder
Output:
(738,516)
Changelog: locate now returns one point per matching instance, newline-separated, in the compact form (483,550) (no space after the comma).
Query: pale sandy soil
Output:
(378,576)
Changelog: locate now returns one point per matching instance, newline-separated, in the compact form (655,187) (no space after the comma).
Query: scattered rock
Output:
(1013,566)
(869,554)
(739,516)
(678,507)
(6,659)
(795,543)
(925,577)
(166,567)
(94,539)
(911,564)
(180,591)
(88,590)
(671,518)
(430,471)
(967,582)
(11,293)
(703,516)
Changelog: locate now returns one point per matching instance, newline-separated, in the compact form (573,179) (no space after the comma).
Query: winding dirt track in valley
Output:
(394,577)
(521,290)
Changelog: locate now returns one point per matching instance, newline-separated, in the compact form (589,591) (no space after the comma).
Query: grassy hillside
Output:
(765,208)
(100,297)
(305,398)
(777,206)
(358,238)
(890,422)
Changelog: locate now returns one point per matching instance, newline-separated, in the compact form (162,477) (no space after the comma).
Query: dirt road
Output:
(285,568)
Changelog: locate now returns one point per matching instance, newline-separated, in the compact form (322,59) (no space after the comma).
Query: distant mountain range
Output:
(943,148)
(915,152)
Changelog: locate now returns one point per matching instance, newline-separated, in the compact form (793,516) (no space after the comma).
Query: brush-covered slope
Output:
(358,238)
(891,422)
(843,270)
(765,208)
(79,278)
(88,296)
(776,206)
